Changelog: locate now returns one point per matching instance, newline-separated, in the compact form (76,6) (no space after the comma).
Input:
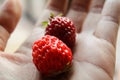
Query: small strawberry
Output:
(63,28)
(51,56)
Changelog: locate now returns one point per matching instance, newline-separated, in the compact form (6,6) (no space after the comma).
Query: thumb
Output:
(10,13)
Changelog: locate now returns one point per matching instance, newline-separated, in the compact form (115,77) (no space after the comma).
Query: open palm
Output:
(94,53)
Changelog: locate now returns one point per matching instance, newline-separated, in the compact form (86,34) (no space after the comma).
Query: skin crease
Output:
(94,52)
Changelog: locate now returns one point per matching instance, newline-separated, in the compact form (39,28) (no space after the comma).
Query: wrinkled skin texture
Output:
(94,52)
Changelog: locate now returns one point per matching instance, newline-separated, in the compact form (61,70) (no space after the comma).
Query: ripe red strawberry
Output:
(63,28)
(51,56)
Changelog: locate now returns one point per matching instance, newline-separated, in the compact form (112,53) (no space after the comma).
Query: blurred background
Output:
(31,12)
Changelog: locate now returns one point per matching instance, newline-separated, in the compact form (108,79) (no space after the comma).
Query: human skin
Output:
(96,23)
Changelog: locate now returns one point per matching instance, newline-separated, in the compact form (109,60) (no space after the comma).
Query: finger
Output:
(93,16)
(78,11)
(108,26)
(54,6)
(9,15)
(57,5)
(96,6)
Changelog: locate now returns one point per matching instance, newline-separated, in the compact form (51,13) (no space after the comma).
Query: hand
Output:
(94,54)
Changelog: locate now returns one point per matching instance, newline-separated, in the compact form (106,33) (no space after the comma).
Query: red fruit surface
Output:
(51,56)
(63,28)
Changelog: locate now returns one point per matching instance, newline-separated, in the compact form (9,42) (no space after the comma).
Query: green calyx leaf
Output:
(51,15)
(44,24)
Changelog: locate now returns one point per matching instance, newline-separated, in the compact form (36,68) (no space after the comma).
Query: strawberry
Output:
(51,56)
(63,28)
